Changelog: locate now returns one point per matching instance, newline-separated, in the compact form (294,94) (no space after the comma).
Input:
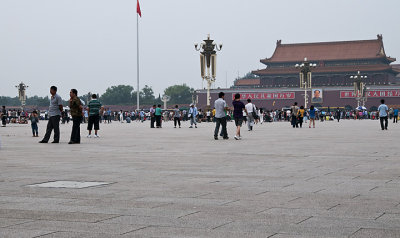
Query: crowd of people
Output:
(94,113)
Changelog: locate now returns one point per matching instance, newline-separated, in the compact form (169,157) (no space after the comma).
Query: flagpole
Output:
(137,52)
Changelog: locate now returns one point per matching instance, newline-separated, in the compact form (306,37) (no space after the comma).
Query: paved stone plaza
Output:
(338,180)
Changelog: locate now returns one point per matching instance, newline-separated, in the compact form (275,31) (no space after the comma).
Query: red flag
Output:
(138,9)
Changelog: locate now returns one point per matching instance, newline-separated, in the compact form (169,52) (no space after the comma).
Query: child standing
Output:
(34,121)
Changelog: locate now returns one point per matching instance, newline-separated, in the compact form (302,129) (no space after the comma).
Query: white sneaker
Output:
(96,136)
(89,136)
(236,138)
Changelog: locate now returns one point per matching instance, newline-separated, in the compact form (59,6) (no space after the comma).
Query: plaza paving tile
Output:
(338,180)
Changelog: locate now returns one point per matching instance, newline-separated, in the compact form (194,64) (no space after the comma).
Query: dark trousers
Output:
(395,118)
(220,122)
(35,130)
(76,130)
(300,121)
(4,120)
(294,121)
(152,120)
(94,120)
(158,121)
(177,120)
(53,124)
(383,127)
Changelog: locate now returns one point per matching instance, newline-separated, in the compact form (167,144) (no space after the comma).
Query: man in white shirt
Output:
(220,116)
(250,108)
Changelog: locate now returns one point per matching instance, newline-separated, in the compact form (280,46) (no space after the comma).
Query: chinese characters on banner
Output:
(266,96)
(372,94)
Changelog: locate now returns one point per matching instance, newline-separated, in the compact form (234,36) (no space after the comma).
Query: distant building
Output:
(277,85)
(336,61)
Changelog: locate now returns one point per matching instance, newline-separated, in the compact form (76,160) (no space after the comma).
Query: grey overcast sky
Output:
(91,44)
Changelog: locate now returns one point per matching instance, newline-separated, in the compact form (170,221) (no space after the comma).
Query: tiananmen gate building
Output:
(277,85)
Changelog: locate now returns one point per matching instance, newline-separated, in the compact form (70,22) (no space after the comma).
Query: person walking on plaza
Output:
(383,114)
(208,114)
(54,113)
(109,114)
(337,114)
(141,116)
(395,115)
(158,114)
(34,121)
(95,109)
(4,115)
(238,110)
(152,116)
(294,112)
(76,113)
(251,114)
(177,116)
(220,116)
(312,116)
(300,116)
(192,115)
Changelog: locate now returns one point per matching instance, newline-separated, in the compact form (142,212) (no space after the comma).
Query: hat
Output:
(191,104)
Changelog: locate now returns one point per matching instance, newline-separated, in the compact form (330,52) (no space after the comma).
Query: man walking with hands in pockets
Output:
(55,110)
(220,117)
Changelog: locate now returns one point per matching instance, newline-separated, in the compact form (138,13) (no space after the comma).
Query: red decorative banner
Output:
(266,96)
(372,94)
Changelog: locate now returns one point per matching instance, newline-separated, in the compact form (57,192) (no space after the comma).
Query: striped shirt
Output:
(94,107)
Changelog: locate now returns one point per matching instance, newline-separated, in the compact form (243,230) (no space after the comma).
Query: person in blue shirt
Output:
(312,116)
(383,114)
(193,114)
(395,115)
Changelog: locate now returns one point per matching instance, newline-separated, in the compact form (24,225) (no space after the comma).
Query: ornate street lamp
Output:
(208,62)
(305,77)
(165,99)
(360,89)
(21,93)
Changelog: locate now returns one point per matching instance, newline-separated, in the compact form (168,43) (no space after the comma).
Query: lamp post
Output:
(208,62)
(360,89)
(305,77)
(165,99)
(89,96)
(21,93)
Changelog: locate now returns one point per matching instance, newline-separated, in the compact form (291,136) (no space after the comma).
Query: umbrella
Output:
(361,108)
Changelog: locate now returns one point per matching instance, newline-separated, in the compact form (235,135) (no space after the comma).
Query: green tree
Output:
(119,95)
(37,101)
(147,95)
(9,101)
(180,94)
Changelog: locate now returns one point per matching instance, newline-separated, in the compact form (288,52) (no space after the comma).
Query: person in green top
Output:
(76,113)
(94,108)
(158,114)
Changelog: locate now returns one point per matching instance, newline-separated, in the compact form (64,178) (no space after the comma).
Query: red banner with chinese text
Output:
(372,93)
(266,96)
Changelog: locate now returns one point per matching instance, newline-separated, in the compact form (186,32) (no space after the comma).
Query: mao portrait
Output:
(316,96)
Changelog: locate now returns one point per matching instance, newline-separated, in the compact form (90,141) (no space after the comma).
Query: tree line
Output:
(117,95)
